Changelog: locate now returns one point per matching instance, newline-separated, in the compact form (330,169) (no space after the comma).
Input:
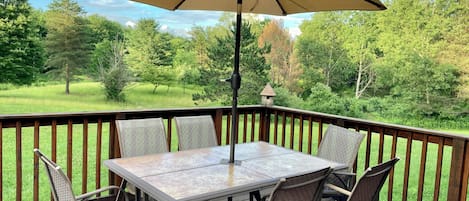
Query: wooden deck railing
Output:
(434,165)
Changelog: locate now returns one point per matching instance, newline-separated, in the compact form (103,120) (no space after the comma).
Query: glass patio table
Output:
(204,174)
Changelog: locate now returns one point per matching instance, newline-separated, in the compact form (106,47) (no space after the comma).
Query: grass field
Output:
(90,97)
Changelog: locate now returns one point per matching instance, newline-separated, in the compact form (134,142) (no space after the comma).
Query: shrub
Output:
(117,76)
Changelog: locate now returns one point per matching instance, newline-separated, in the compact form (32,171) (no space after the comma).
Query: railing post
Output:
(218,124)
(458,160)
(265,125)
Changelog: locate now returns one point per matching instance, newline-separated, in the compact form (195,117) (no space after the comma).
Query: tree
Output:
(360,41)
(150,53)
(253,68)
(410,58)
(320,51)
(456,50)
(282,72)
(22,54)
(116,76)
(67,39)
(104,32)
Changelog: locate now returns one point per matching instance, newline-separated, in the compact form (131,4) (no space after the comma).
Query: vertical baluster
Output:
(320,132)
(284,121)
(19,163)
(439,164)
(275,127)
(54,144)
(405,186)
(292,130)
(368,148)
(84,168)
(219,124)
(381,145)
(36,162)
(245,126)
(99,141)
(310,134)
(300,148)
(391,173)
(69,148)
(423,162)
(228,129)
(253,122)
(456,169)
(465,177)
(170,133)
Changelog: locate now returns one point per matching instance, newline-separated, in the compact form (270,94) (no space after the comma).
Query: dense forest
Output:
(408,64)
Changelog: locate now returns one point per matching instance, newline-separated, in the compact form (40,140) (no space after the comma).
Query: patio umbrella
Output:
(271,7)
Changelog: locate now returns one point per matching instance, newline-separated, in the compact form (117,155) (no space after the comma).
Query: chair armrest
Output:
(342,179)
(88,195)
(344,173)
(338,189)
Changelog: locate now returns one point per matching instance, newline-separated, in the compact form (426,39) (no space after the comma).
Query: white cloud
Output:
(130,24)
(164,27)
(294,32)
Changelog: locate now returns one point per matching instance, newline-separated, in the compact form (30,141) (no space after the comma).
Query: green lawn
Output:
(89,97)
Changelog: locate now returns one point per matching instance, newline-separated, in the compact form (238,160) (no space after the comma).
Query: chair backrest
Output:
(340,145)
(138,137)
(370,184)
(306,187)
(196,132)
(59,182)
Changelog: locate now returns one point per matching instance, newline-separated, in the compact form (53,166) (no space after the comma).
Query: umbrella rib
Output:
(297,4)
(281,7)
(179,4)
(376,4)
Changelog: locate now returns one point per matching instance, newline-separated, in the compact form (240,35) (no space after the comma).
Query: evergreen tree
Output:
(67,39)
(253,68)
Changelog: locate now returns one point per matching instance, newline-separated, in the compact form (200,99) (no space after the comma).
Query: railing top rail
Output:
(372,123)
(9,119)
(26,119)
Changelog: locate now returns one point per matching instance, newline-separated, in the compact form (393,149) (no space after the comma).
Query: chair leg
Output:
(255,195)
(121,190)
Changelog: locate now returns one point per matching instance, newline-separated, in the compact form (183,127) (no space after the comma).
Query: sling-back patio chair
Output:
(196,132)
(370,184)
(60,184)
(139,137)
(340,145)
(306,187)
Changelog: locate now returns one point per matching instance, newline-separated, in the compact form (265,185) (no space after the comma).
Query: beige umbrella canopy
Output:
(271,7)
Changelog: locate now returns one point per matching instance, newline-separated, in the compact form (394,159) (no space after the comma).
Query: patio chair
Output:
(340,145)
(370,184)
(138,137)
(306,187)
(196,132)
(60,184)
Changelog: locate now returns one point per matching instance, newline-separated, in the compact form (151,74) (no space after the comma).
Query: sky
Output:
(178,22)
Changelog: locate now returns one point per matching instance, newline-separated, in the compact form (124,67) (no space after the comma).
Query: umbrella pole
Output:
(235,84)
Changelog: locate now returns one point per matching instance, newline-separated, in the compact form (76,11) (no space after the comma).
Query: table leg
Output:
(256,195)
(138,195)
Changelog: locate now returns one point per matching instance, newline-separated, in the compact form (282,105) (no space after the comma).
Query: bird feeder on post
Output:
(267,95)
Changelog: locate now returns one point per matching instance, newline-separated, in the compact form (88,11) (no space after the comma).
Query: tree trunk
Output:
(359,79)
(67,79)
